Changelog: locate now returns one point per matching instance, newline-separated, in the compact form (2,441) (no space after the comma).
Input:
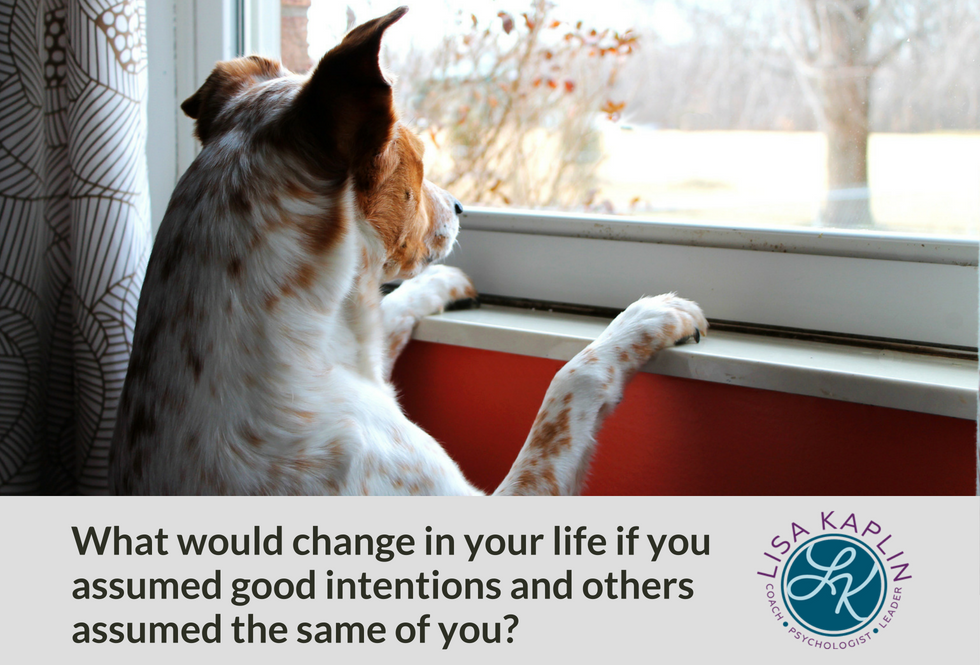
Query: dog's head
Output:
(342,122)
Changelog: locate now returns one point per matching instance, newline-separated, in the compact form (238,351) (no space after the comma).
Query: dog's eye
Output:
(408,195)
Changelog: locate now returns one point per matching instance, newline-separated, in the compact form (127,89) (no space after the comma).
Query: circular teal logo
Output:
(834,585)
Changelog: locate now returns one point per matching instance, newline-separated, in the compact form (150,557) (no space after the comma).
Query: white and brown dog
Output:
(263,345)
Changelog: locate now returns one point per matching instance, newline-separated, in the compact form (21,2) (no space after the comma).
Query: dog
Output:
(263,346)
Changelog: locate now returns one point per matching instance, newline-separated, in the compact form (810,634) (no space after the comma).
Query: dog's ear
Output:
(222,84)
(347,103)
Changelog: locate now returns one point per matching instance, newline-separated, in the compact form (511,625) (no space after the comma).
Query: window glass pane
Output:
(833,113)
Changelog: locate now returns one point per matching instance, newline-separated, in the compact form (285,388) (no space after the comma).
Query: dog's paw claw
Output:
(696,337)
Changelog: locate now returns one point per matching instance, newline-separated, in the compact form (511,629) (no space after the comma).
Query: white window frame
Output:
(917,289)
(903,288)
(184,40)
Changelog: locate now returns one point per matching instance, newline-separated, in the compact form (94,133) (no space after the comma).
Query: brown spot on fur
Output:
(536,481)
(142,424)
(249,435)
(306,275)
(196,364)
(319,234)
(549,438)
(235,269)
(550,483)
(192,356)
(525,482)
(239,203)
(302,279)
(610,375)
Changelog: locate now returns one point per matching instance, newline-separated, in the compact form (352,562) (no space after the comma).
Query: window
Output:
(776,113)
(695,146)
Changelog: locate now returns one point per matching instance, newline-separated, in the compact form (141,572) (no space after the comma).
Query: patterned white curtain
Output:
(74,233)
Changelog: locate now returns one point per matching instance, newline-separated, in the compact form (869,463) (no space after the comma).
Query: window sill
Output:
(926,384)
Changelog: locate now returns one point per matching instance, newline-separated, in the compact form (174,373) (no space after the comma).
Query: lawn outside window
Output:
(767,262)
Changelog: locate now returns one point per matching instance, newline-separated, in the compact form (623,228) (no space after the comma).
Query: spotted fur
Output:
(263,347)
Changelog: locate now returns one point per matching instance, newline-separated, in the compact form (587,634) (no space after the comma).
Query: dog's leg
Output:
(426,294)
(557,452)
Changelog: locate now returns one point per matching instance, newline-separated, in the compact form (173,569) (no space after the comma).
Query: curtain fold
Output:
(74,233)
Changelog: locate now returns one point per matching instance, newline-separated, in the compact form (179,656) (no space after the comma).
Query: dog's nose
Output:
(458,207)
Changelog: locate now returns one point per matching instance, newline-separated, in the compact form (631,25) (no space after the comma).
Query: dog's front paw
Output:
(434,289)
(650,324)
(601,370)
(450,283)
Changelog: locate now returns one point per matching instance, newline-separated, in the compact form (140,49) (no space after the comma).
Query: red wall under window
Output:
(674,436)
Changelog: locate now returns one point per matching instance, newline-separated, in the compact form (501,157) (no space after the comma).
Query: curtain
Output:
(74,234)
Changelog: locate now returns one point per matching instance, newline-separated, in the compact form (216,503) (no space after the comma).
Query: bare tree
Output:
(514,100)
(833,45)
(730,74)
(737,68)
(933,84)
